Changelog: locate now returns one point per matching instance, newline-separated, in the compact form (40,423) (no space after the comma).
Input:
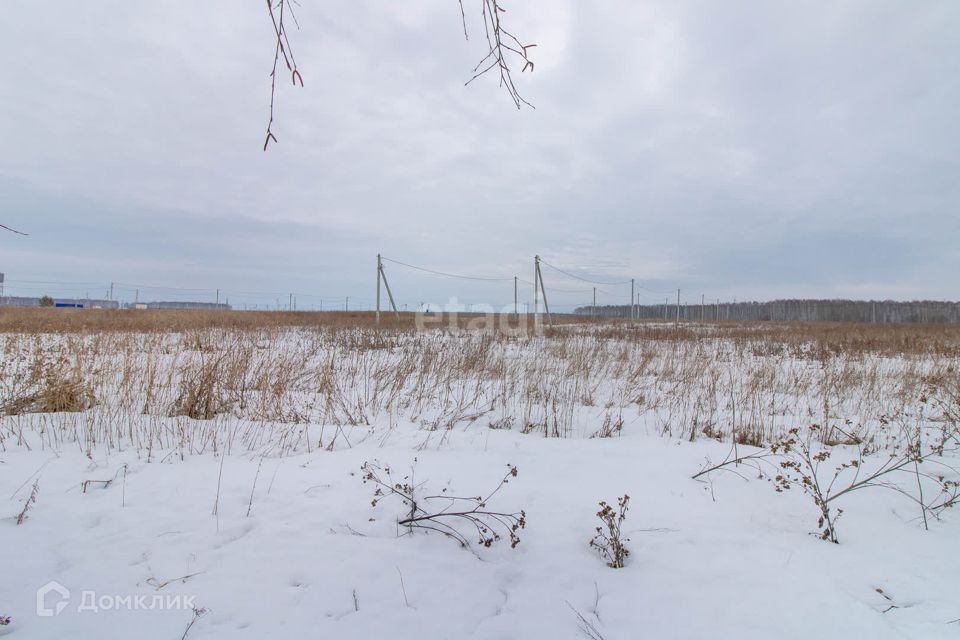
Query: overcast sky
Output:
(749,150)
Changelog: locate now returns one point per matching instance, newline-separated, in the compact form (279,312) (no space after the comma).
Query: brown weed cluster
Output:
(282,382)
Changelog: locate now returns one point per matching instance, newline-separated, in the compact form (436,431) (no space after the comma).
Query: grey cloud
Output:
(694,145)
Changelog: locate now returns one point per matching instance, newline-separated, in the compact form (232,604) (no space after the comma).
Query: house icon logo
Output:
(52,598)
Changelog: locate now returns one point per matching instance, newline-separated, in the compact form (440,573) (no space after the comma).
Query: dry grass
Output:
(807,339)
(51,384)
(820,340)
(54,320)
(282,382)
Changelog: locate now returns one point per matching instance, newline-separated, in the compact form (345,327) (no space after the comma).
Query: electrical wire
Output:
(79,284)
(443,273)
(663,293)
(542,261)
(128,285)
(180,292)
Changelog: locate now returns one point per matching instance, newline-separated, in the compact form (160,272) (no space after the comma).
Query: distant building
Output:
(93,303)
(75,303)
(209,306)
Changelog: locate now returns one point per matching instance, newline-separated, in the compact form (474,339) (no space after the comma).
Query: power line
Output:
(445,274)
(79,284)
(643,292)
(127,285)
(230,292)
(556,289)
(658,292)
(542,261)
(614,295)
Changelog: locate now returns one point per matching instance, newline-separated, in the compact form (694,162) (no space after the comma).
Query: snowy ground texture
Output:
(281,540)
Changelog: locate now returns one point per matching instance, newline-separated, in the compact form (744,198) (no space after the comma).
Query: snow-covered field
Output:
(226,497)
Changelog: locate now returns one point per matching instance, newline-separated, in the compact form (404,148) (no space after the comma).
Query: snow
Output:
(727,558)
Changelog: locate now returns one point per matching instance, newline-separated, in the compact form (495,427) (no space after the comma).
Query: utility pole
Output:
(111,292)
(594,307)
(346,303)
(632,298)
(536,285)
(515,314)
(218,297)
(382,276)
(702,298)
(136,297)
(678,307)
(543,290)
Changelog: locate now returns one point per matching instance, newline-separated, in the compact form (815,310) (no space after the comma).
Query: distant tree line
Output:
(880,311)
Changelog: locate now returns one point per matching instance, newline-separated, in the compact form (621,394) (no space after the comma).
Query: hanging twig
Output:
(278,12)
(21,233)
(501,44)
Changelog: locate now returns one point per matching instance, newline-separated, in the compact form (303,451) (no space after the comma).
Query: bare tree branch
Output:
(502,45)
(463,19)
(277,15)
(3,226)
